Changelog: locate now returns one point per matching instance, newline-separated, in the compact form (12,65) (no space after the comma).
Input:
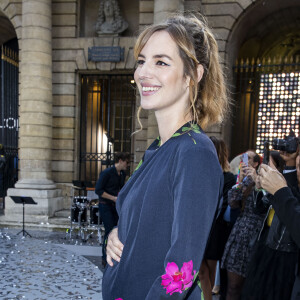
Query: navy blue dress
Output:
(166,211)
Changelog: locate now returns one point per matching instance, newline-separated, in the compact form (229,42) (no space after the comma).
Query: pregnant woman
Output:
(167,208)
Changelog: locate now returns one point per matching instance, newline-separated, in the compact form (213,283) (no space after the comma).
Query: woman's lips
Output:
(149,90)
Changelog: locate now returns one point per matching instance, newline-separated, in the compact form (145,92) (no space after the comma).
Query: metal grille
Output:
(107,116)
(247,78)
(9,124)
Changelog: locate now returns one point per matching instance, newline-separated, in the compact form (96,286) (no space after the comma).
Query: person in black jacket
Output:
(287,208)
(108,186)
(272,268)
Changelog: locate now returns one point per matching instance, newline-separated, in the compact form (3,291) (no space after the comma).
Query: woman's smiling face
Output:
(160,75)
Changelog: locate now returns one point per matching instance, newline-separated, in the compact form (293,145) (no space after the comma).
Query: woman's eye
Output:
(161,63)
(140,62)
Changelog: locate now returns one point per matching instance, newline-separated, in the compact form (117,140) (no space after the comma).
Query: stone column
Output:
(162,9)
(35,135)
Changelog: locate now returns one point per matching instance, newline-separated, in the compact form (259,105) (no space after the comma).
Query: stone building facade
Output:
(54,37)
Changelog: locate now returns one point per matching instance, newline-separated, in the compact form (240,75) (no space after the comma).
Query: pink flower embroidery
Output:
(119,299)
(177,281)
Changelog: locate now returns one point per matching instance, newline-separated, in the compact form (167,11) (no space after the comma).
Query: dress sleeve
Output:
(196,180)
(287,208)
(236,194)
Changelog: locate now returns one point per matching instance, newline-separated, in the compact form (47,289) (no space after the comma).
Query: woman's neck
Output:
(168,125)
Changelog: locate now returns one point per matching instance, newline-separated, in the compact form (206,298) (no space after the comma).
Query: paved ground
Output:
(49,265)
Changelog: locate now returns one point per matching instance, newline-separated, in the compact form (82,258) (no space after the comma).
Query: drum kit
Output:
(85,214)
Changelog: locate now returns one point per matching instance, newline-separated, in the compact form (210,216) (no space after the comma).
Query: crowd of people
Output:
(182,210)
(260,259)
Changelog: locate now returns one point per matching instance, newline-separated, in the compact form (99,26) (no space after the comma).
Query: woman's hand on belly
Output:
(114,247)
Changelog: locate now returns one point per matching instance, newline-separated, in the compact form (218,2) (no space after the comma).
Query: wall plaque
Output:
(112,54)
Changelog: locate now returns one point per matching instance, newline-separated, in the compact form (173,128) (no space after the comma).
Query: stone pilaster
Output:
(35,135)
(162,9)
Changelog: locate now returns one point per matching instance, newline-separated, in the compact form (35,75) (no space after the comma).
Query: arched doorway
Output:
(9,103)
(264,50)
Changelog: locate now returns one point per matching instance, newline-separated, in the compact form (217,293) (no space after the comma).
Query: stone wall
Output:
(70,59)
(221,16)
(13,11)
(64,32)
(146,14)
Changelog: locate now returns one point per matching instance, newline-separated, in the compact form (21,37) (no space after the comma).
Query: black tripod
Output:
(23,200)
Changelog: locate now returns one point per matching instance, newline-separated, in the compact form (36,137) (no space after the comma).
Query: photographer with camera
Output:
(287,208)
(272,267)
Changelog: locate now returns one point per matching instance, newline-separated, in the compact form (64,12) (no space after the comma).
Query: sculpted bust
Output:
(109,20)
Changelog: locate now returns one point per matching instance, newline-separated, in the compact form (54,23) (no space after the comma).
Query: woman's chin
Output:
(147,106)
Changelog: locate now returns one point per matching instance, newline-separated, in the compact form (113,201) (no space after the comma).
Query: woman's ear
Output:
(200,71)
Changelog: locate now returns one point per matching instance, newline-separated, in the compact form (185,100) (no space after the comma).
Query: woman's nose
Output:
(145,71)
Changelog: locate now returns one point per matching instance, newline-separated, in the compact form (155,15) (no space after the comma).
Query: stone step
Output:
(61,218)
(59,221)
(65,213)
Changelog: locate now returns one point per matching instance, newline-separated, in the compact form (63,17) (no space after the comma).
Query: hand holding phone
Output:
(245,159)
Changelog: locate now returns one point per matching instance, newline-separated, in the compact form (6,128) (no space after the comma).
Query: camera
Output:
(266,153)
(289,144)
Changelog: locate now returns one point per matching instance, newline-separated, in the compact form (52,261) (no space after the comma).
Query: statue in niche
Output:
(109,21)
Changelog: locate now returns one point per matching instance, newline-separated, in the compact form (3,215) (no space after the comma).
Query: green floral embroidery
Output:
(192,138)
(196,128)
(137,167)
(159,141)
(176,134)
(187,128)
(140,163)
(202,295)
(196,278)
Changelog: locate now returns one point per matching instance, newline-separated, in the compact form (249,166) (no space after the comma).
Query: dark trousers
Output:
(110,219)
(296,289)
